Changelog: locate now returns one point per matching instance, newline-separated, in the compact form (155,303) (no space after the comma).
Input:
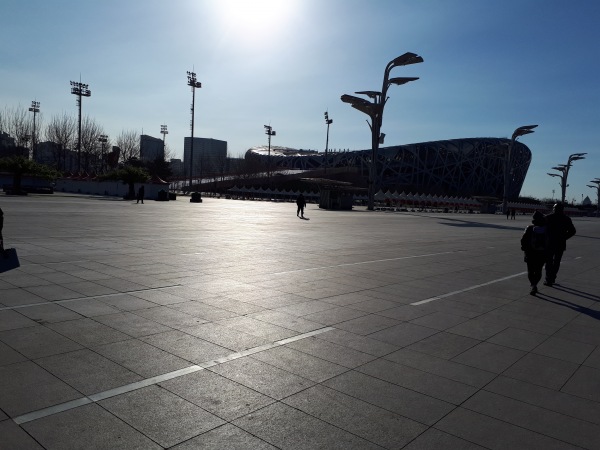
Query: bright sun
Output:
(254,20)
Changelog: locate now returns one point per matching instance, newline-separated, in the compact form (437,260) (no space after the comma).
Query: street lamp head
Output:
(554,174)
(405,60)
(371,94)
(401,80)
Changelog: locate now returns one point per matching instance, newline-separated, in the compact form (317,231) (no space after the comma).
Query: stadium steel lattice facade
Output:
(460,167)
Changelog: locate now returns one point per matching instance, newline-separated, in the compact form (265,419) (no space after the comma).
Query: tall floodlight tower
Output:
(164,132)
(193,83)
(328,122)
(103,139)
(80,90)
(269,132)
(35,108)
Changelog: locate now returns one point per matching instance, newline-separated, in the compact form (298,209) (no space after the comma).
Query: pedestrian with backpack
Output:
(534,243)
(560,230)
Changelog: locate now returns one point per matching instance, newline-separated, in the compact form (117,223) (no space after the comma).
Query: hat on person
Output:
(538,218)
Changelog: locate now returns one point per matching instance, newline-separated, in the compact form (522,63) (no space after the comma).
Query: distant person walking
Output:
(507,213)
(513,212)
(534,243)
(140,195)
(301,203)
(560,229)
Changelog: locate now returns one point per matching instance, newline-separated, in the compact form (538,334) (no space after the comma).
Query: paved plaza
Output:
(236,325)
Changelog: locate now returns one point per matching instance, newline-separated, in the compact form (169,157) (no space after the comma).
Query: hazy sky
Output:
(490,66)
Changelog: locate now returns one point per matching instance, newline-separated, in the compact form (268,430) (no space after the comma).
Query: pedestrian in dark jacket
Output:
(534,243)
(140,194)
(560,229)
(1,226)
(301,203)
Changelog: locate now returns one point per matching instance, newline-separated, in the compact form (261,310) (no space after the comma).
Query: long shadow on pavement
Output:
(580,309)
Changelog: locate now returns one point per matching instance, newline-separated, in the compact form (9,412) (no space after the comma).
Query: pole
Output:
(192,138)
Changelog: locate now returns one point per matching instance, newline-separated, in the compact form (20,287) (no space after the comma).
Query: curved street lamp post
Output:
(525,129)
(374,109)
(564,173)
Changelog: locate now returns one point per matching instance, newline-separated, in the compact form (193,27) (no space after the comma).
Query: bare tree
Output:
(16,123)
(62,130)
(90,148)
(129,143)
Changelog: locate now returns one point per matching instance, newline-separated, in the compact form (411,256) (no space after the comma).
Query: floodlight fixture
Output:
(80,90)
(193,83)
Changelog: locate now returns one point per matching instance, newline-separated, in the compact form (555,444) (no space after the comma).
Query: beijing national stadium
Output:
(471,167)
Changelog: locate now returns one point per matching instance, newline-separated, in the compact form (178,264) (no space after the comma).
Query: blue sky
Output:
(490,66)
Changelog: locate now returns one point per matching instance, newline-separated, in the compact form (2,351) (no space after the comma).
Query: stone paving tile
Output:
(565,349)
(88,426)
(444,345)
(262,377)
(420,381)
(329,351)
(496,434)
(141,358)
(126,302)
(49,313)
(552,400)
(169,317)
(9,355)
(355,416)
(186,346)
(89,307)
(87,371)
(14,438)
(439,320)
(299,324)
(434,439)
(131,324)
(481,328)
(305,308)
(88,332)
(518,339)
(288,428)
(594,359)
(53,292)
(16,297)
(11,320)
(335,315)
(219,395)
(162,416)
(36,342)
(227,437)
(299,363)
(258,328)
(454,371)
(534,418)
(405,312)
(203,310)
(225,336)
(357,342)
(542,370)
(584,383)
(490,357)
(235,306)
(403,334)
(27,387)
(406,402)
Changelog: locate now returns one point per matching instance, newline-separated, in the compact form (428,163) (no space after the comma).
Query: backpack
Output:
(538,239)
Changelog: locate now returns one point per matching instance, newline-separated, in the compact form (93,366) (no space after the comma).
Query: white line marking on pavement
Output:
(157,379)
(449,294)
(369,262)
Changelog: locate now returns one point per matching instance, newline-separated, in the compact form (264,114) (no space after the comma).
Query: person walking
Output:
(560,230)
(534,243)
(507,213)
(140,194)
(301,203)
(513,212)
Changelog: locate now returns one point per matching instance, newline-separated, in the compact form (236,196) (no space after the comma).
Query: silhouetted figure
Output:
(301,202)
(513,212)
(507,213)
(534,243)
(560,229)
(140,195)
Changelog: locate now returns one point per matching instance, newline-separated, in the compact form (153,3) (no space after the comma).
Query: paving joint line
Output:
(86,400)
